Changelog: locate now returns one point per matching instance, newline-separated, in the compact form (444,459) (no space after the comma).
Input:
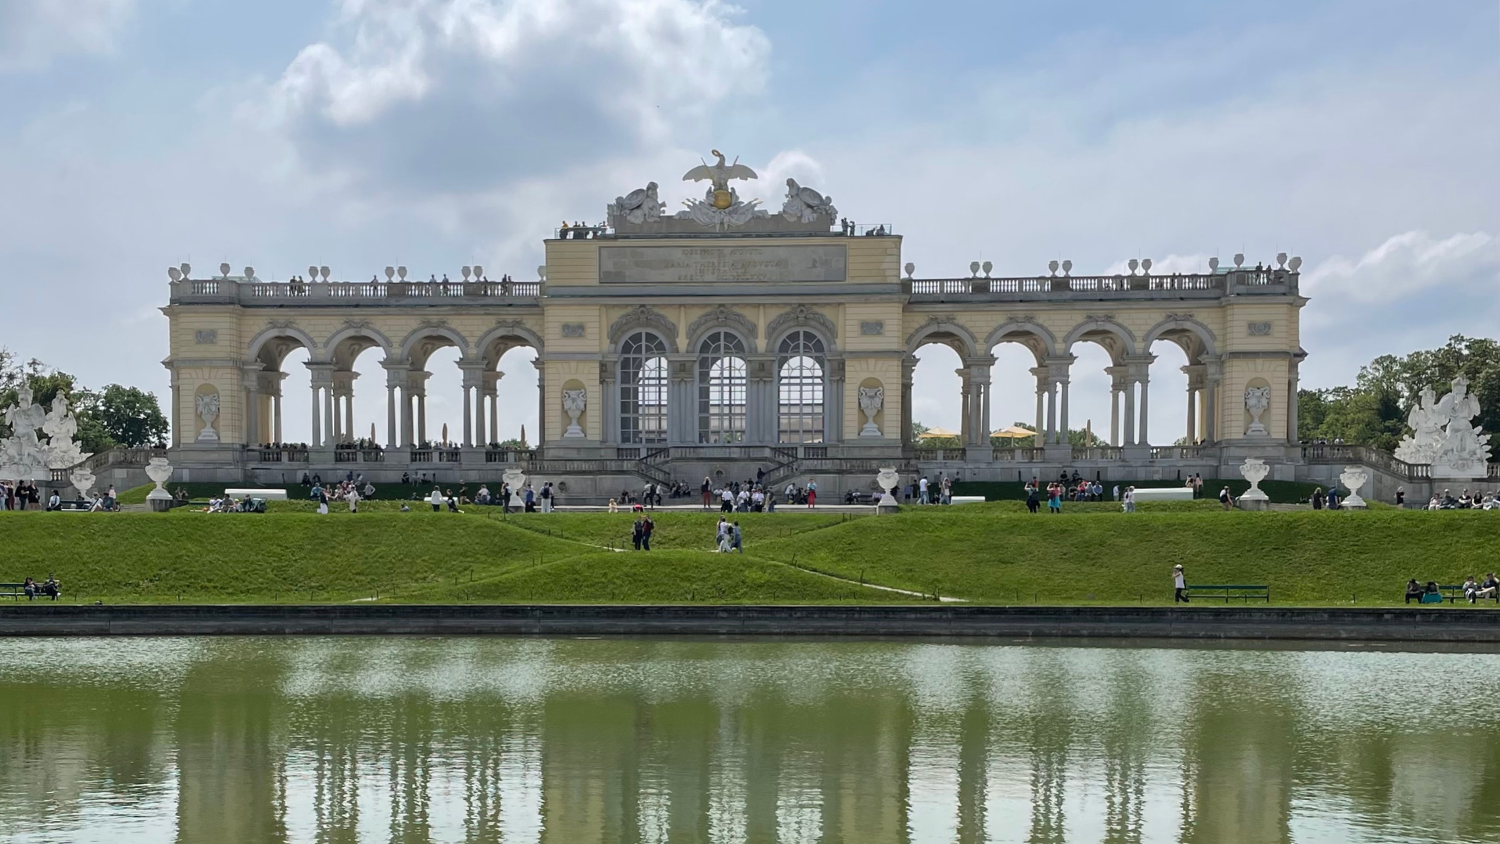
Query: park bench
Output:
(14,591)
(1454,592)
(1228,591)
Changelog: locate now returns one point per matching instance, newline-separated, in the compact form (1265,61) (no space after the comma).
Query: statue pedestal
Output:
(1254,499)
(887,504)
(160,500)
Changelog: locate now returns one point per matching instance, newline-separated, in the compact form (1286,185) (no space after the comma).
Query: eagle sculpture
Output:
(720,173)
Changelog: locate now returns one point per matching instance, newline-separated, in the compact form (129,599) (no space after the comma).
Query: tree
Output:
(129,416)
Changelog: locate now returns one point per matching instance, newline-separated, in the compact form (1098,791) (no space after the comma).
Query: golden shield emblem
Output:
(723,199)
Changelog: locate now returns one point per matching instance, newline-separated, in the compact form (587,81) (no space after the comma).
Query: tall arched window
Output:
(800,364)
(721,388)
(643,389)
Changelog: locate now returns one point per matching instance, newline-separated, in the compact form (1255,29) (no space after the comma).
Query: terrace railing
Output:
(1136,286)
(341,293)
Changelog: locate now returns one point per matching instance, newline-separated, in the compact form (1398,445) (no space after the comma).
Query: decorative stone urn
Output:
(159,470)
(871,399)
(515,479)
(1254,470)
(888,479)
(207,406)
(1353,478)
(82,480)
(574,402)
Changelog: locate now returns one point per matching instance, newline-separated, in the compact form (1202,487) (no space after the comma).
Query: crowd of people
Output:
(1465,501)
(26,495)
(1473,590)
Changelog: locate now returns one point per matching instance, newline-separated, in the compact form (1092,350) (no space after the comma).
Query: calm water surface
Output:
(573,741)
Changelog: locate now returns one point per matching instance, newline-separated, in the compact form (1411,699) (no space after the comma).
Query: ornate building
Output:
(726,338)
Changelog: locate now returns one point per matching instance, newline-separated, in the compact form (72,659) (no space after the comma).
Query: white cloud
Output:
(35,32)
(1406,265)
(467,94)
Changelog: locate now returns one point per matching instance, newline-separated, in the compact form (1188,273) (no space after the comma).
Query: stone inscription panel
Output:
(707,264)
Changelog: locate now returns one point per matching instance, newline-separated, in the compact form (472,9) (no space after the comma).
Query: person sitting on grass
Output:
(452,502)
(1225,498)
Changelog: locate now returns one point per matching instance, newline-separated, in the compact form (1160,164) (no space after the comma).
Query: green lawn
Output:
(988,553)
(983,553)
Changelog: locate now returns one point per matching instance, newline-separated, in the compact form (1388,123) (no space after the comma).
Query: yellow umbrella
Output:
(1012,432)
(937,434)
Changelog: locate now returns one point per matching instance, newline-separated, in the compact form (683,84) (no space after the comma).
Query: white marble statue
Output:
(1464,451)
(870,401)
(22,456)
(1354,478)
(573,404)
(62,449)
(26,456)
(516,480)
(1421,446)
(639,206)
(1254,470)
(1257,401)
(805,205)
(208,410)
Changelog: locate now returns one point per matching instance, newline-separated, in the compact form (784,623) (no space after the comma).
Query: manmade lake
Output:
(661,740)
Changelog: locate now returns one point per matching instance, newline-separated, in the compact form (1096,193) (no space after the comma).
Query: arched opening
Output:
(434,392)
(283,396)
(1090,394)
(801,366)
(507,393)
(1166,418)
(936,392)
(359,392)
(1014,398)
(643,389)
(514,399)
(722,385)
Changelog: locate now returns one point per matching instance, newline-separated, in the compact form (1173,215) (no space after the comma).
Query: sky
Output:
(1360,135)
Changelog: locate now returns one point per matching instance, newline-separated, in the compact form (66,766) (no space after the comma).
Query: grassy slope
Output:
(148,556)
(674,528)
(660,577)
(987,553)
(982,553)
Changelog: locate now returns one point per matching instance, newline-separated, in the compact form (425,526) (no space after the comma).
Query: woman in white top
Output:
(1179,585)
(436,499)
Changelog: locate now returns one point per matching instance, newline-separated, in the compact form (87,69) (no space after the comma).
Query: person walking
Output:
(323,501)
(737,541)
(436,499)
(1128,504)
(707,488)
(812,494)
(1054,498)
(547,497)
(1317,498)
(1032,499)
(1179,585)
(922,490)
(646,528)
(638,531)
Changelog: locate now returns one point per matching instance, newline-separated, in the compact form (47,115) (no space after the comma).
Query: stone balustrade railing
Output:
(1191,285)
(338,293)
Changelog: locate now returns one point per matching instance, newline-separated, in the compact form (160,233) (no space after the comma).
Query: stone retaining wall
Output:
(1396,624)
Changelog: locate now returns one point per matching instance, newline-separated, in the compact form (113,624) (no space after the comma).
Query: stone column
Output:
(1043,434)
(1145,409)
(250,379)
(1116,390)
(1292,381)
(491,395)
(541,409)
(1051,412)
(609,400)
(1213,376)
(682,400)
(965,405)
(761,400)
(1138,369)
(322,404)
(908,365)
(177,411)
(422,415)
(1129,411)
(1195,374)
(480,405)
(833,403)
(1058,368)
(390,415)
(473,385)
(276,417)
